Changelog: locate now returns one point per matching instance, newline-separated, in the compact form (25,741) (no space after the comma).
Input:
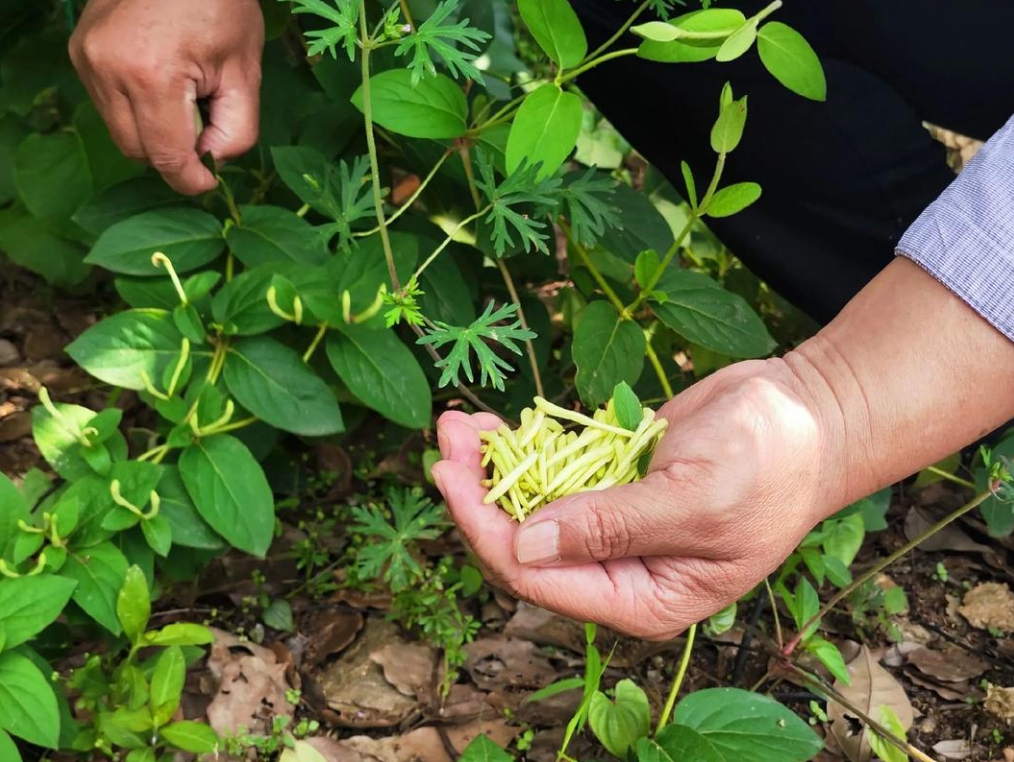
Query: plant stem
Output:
(234,426)
(603,284)
(411,199)
(881,565)
(622,31)
(657,363)
(575,73)
(949,477)
(447,242)
(774,612)
(529,345)
(321,333)
(371,146)
(677,682)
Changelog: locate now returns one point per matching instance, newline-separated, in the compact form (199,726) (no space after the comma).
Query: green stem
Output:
(321,333)
(230,199)
(233,426)
(677,682)
(774,613)
(371,146)
(529,345)
(622,31)
(411,199)
(950,477)
(575,73)
(447,242)
(877,568)
(603,284)
(656,363)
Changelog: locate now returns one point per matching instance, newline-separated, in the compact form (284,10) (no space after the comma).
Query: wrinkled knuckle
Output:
(604,531)
(168,163)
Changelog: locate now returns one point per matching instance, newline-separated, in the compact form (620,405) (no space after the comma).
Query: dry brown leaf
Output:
(497,730)
(407,666)
(872,687)
(949,665)
(989,606)
(355,687)
(951,538)
(332,750)
(544,628)
(954,749)
(1000,702)
(502,663)
(327,632)
(251,690)
(421,745)
(948,692)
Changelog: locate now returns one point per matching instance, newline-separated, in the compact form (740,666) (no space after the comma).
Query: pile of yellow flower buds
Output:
(542,460)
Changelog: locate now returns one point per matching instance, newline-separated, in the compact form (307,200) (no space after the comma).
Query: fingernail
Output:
(444,443)
(539,544)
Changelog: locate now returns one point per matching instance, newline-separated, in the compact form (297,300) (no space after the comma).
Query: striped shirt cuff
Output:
(965,238)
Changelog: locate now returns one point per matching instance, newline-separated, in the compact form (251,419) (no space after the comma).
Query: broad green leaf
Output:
(641,226)
(146,754)
(621,723)
(180,634)
(275,384)
(680,744)
(738,43)
(829,655)
(13,507)
(545,129)
(711,316)
(28,707)
(51,174)
(60,447)
(195,737)
(557,29)
(482,749)
(607,350)
(434,107)
(278,616)
(628,407)
(733,199)
(241,306)
(106,162)
(446,296)
(272,234)
(696,36)
(8,749)
(722,622)
(167,684)
(30,604)
(12,132)
(383,374)
(133,604)
(230,491)
(120,347)
(805,605)
(189,237)
(123,201)
(790,59)
(30,243)
(843,537)
(881,747)
(99,572)
(128,728)
(743,727)
(156,293)
(728,129)
(189,530)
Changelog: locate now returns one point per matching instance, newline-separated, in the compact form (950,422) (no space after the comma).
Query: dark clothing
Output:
(844,179)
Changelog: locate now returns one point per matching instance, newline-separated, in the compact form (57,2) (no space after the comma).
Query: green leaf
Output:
(28,707)
(188,529)
(691,185)
(180,634)
(619,725)
(738,43)
(59,444)
(241,306)
(557,29)
(99,572)
(133,604)
(482,749)
(272,234)
(555,689)
(790,59)
(456,45)
(646,268)
(230,492)
(8,749)
(641,226)
(146,754)
(804,605)
(829,655)
(124,345)
(587,198)
(167,684)
(158,533)
(843,537)
(106,162)
(523,187)
(473,339)
(30,243)
(344,30)
(738,726)
(13,507)
(545,129)
(701,311)
(195,737)
(125,200)
(722,622)
(30,604)
(275,384)
(733,199)
(883,748)
(628,407)
(189,237)
(51,174)
(434,107)
(383,373)
(152,293)
(607,350)
(278,616)
(687,45)
(728,130)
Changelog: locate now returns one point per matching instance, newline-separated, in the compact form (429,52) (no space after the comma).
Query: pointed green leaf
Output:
(738,43)
(30,604)
(728,129)
(28,706)
(557,29)
(133,604)
(545,129)
(621,723)
(8,749)
(434,107)
(51,173)
(99,572)
(167,684)
(790,59)
(189,237)
(607,350)
(733,199)
(195,737)
(272,234)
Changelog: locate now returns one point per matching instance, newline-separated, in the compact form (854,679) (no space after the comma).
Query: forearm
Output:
(906,374)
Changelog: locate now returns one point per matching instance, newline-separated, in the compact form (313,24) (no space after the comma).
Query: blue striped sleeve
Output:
(965,238)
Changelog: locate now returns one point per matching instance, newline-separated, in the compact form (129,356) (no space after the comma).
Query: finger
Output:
(165,123)
(661,515)
(234,113)
(457,434)
(118,114)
